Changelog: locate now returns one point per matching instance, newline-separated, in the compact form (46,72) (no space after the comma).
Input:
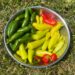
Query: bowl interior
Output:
(64,31)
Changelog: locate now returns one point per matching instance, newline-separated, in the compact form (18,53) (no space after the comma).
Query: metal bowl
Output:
(64,31)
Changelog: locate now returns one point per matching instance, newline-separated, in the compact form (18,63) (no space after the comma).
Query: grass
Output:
(66,8)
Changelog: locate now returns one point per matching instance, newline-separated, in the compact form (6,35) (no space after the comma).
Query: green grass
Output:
(66,8)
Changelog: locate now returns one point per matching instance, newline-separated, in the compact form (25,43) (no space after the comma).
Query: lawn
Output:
(66,8)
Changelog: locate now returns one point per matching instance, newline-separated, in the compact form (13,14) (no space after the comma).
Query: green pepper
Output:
(33,16)
(19,17)
(26,20)
(12,27)
(30,55)
(23,39)
(18,34)
(30,11)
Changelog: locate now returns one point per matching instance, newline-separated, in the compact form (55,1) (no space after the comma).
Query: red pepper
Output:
(46,59)
(53,57)
(48,18)
(37,58)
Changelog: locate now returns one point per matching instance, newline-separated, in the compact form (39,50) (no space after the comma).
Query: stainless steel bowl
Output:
(65,31)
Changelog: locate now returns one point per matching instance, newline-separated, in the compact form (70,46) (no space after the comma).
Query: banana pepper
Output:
(35,44)
(22,52)
(53,41)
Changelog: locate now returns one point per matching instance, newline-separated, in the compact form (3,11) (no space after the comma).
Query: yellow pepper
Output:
(45,45)
(41,20)
(35,44)
(30,55)
(54,39)
(48,35)
(39,25)
(56,28)
(22,52)
(59,46)
(41,53)
(37,19)
(39,34)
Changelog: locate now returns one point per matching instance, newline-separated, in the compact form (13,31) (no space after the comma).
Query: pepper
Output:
(19,17)
(53,41)
(59,46)
(45,45)
(48,35)
(30,11)
(37,19)
(39,34)
(39,25)
(30,55)
(33,17)
(61,51)
(48,18)
(56,28)
(12,27)
(53,57)
(22,52)
(46,59)
(23,39)
(26,20)
(35,44)
(41,53)
(18,34)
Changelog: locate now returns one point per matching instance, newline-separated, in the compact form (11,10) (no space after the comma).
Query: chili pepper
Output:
(41,53)
(59,46)
(33,17)
(41,27)
(47,14)
(53,41)
(61,51)
(19,17)
(23,39)
(48,18)
(25,22)
(37,19)
(53,57)
(30,11)
(12,27)
(56,28)
(46,58)
(50,21)
(37,58)
(22,52)
(30,55)
(48,35)
(18,34)
(39,34)
(35,44)
(45,45)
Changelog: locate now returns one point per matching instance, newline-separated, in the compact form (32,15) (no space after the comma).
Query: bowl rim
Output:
(28,65)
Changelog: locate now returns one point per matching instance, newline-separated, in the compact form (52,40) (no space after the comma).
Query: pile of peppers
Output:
(34,37)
